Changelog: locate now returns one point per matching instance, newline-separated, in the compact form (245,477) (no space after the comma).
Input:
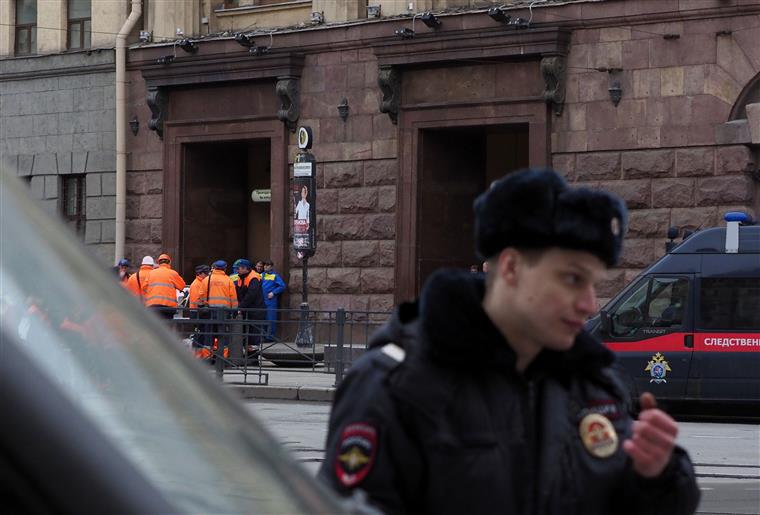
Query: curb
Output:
(285,393)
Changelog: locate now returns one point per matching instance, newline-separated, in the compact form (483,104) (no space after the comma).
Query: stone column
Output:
(7,26)
(107,19)
(346,10)
(52,26)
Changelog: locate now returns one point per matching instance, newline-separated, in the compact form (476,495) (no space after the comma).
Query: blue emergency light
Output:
(737,216)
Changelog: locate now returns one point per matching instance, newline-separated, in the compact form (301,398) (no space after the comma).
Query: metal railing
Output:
(244,343)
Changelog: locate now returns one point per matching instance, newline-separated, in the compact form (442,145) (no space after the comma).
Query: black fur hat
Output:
(535,209)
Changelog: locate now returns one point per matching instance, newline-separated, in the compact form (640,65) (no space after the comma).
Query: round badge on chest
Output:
(598,435)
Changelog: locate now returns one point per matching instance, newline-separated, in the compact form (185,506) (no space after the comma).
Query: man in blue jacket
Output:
(273,286)
(488,396)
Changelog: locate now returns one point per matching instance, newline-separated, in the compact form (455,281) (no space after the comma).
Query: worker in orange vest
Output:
(196,288)
(138,282)
(218,292)
(160,293)
(196,301)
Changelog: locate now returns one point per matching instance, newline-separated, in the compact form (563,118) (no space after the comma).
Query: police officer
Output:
(487,396)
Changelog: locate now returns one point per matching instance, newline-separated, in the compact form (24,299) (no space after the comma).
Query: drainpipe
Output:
(121,127)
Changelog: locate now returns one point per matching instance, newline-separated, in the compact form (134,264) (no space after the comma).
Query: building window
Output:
(73,201)
(80,26)
(26,27)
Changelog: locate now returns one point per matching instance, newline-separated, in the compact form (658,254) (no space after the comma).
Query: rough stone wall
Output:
(356,176)
(657,148)
(144,179)
(54,123)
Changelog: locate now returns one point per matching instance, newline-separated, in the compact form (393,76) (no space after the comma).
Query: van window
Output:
(730,303)
(656,302)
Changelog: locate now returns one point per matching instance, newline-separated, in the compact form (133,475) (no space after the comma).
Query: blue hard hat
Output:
(123,262)
(243,262)
(221,264)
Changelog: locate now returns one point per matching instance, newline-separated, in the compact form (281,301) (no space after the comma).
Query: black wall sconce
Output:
(343,109)
(134,125)
(188,46)
(165,59)
(616,92)
(404,33)
(246,40)
(430,20)
(497,14)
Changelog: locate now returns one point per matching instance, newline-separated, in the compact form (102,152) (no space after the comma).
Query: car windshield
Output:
(130,377)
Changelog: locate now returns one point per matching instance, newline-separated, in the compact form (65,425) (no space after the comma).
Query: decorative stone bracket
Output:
(288,91)
(158,101)
(553,70)
(389,80)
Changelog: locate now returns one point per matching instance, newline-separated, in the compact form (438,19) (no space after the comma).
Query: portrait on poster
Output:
(303,195)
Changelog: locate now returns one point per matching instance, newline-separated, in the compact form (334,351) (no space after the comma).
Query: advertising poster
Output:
(304,198)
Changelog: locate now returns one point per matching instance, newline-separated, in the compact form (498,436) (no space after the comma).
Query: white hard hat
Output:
(147,260)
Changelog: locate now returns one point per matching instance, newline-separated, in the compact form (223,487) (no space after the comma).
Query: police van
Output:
(688,327)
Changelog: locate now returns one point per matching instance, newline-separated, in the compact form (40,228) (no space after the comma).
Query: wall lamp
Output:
(134,125)
(430,20)
(246,40)
(188,46)
(317,17)
(343,109)
(165,59)
(497,14)
(404,33)
(616,92)
(615,89)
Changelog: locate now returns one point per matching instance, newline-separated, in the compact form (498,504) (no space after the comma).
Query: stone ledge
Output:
(288,393)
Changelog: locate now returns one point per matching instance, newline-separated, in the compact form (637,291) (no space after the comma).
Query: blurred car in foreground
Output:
(102,409)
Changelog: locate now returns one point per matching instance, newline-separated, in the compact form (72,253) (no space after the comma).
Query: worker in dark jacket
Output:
(487,396)
(251,302)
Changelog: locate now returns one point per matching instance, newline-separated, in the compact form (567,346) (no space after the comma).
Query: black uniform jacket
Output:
(251,296)
(451,427)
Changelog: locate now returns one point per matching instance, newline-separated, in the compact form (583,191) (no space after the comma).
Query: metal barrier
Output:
(245,343)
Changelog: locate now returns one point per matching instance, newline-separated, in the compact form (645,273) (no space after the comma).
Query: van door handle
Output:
(688,341)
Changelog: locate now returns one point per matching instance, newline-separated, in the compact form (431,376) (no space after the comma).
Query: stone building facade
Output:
(431,119)
(57,118)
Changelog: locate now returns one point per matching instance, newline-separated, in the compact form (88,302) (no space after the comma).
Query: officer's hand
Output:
(653,439)
(270,295)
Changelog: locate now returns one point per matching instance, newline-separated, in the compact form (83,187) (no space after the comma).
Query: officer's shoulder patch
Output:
(357,449)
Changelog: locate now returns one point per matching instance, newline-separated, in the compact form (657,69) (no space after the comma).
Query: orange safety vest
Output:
(221,290)
(196,292)
(162,283)
(138,281)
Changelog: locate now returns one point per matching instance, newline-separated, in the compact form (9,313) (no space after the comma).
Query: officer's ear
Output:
(508,266)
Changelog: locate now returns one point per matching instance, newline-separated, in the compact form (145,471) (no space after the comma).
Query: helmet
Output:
(164,257)
(220,264)
(243,262)
(202,269)
(147,260)
(123,262)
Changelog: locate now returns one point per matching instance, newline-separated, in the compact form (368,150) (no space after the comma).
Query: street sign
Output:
(261,195)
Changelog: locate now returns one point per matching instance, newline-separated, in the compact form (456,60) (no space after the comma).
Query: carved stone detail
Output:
(389,80)
(288,91)
(158,101)
(553,69)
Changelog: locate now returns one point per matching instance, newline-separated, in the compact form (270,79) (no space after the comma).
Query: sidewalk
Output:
(294,384)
